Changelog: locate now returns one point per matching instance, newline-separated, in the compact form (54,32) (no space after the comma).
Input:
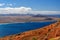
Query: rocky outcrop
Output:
(45,33)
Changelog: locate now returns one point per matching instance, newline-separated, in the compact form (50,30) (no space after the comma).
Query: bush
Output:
(34,39)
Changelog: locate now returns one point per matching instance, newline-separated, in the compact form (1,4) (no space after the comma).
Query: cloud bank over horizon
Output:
(9,10)
(24,10)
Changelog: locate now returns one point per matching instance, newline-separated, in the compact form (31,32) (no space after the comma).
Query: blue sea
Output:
(14,28)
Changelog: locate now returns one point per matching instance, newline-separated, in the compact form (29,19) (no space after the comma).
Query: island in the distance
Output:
(12,18)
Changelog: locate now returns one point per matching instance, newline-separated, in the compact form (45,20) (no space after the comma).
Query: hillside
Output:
(12,19)
(45,33)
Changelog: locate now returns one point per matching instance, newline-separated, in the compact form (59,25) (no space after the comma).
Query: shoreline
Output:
(27,22)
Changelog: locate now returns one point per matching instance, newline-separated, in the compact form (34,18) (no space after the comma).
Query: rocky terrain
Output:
(49,32)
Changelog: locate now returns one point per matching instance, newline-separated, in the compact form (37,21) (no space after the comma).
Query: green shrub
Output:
(34,39)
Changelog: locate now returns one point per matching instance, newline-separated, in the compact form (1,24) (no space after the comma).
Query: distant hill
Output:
(39,15)
(12,14)
(17,14)
(58,16)
(33,15)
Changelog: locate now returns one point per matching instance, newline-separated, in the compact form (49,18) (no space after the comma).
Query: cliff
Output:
(45,33)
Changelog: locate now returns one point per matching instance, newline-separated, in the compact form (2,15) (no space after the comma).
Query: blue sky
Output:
(42,5)
(30,6)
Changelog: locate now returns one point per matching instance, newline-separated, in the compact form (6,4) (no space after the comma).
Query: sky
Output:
(34,6)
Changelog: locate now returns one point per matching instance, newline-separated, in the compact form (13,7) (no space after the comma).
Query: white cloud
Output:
(9,4)
(24,10)
(46,12)
(2,4)
(8,10)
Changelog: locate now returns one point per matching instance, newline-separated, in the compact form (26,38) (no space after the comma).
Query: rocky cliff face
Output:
(45,33)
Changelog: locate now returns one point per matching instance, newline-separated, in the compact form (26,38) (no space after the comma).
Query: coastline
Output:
(27,22)
(31,33)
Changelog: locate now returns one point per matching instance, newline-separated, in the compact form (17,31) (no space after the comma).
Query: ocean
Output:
(14,28)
